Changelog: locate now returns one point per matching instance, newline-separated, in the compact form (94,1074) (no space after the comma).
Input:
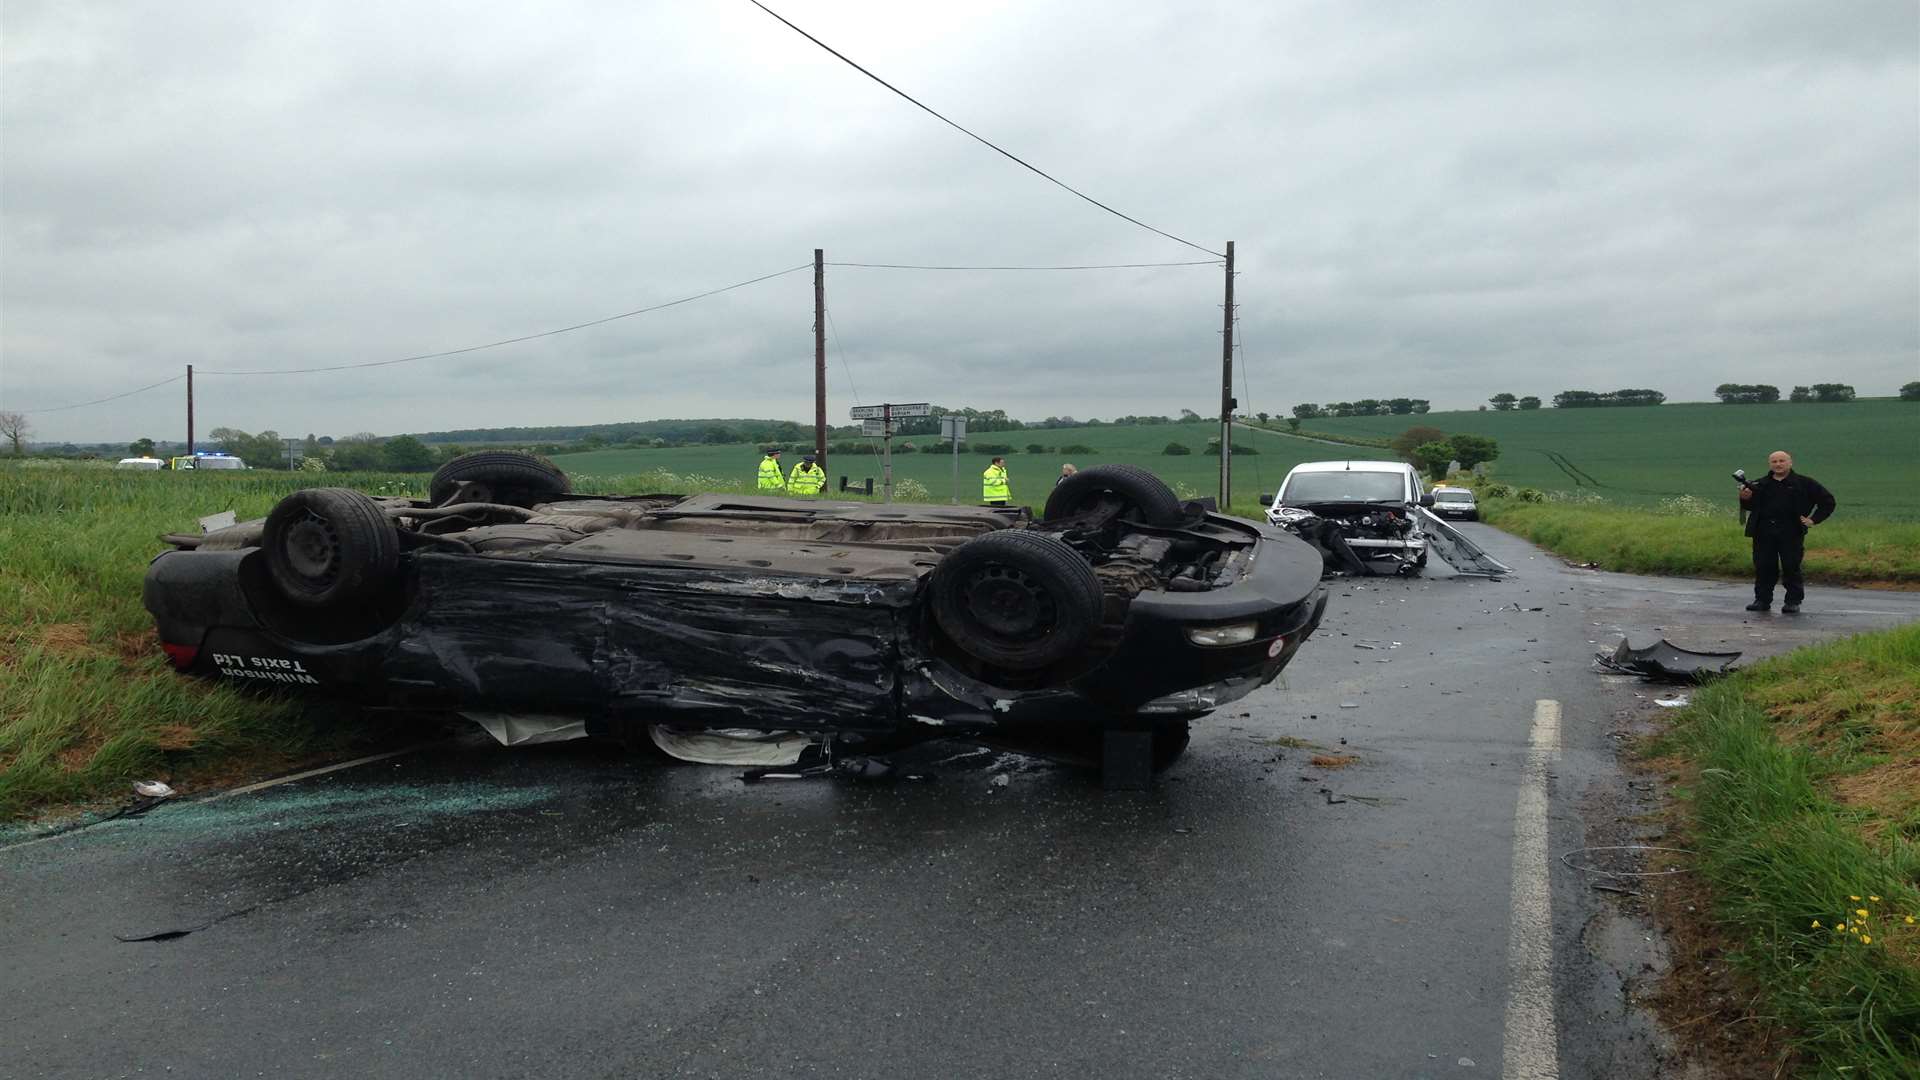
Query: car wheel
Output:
(1017,600)
(1144,495)
(508,476)
(329,547)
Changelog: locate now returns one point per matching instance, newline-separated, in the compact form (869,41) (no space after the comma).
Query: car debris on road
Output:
(1666,661)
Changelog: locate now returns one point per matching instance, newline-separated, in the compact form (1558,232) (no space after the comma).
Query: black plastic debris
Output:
(1667,661)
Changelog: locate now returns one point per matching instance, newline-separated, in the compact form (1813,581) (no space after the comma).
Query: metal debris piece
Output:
(1667,661)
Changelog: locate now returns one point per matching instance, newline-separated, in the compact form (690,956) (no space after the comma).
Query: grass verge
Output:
(1841,551)
(1799,786)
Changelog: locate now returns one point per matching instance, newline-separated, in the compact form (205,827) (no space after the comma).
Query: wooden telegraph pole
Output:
(820,358)
(1227,403)
(189,410)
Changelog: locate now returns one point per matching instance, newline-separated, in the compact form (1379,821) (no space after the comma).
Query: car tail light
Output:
(182,656)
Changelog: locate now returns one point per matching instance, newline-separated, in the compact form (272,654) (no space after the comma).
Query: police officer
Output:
(771,478)
(1780,507)
(994,489)
(808,478)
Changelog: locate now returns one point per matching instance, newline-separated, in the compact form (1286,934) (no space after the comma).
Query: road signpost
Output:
(954,430)
(883,415)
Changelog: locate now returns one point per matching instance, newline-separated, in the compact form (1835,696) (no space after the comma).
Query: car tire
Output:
(1146,497)
(509,477)
(1016,600)
(330,547)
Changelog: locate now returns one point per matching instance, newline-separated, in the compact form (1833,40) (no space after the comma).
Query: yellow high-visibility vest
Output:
(806,479)
(994,486)
(771,478)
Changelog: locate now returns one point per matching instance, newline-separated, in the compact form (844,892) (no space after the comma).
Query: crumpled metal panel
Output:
(774,651)
(1462,554)
(1668,661)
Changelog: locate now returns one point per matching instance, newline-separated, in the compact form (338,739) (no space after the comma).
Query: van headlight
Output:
(1230,634)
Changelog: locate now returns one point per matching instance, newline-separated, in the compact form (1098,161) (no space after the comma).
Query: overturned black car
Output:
(1097,631)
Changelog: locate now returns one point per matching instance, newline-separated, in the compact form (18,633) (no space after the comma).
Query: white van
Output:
(1372,517)
(147,463)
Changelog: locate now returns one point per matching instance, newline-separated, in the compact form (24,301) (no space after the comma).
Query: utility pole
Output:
(189,410)
(886,454)
(1227,403)
(820,358)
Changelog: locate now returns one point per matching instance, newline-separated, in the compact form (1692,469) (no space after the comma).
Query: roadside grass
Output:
(87,701)
(1799,789)
(1649,540)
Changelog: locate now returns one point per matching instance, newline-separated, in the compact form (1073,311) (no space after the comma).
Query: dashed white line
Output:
(1532,1049)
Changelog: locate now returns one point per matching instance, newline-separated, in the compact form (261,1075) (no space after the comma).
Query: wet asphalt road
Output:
(572,911)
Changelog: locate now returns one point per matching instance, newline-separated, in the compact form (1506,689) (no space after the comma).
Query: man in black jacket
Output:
(1781,506)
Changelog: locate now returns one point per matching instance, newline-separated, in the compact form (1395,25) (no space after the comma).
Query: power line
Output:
(516,340)
(1104,266)
(104,400)
(976,138)
(834,331)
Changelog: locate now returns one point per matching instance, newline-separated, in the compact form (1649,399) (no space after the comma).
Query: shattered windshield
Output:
(1344,486)
(1453,496)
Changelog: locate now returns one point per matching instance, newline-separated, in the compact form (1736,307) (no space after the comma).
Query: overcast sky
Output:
(1436,200)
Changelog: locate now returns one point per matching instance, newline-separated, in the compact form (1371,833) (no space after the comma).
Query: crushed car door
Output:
(1462,554)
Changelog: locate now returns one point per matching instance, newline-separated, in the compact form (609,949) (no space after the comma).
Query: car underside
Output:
(1120,610)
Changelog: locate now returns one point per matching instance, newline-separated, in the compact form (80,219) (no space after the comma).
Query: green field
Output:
(1866,452)
(1032,475)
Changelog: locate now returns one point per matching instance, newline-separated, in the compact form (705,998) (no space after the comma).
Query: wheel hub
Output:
(1007,603)
(313,549)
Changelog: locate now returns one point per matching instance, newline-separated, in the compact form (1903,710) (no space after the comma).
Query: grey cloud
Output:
(1472,198)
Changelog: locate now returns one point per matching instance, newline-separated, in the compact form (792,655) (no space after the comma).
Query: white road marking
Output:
(1532,1051)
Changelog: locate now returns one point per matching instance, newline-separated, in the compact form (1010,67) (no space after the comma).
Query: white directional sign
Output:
(876,412)
(874,427)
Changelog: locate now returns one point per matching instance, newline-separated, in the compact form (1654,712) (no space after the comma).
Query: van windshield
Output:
(1347,485)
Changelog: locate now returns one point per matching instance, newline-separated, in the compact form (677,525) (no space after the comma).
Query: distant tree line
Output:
(1399,406)
(1746,393)
(1588,399)
(1508,402)
(1827,391)
(1910,392)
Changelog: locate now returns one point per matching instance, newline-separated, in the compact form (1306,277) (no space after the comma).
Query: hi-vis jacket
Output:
(806,479)
(993,485)
(771,479)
